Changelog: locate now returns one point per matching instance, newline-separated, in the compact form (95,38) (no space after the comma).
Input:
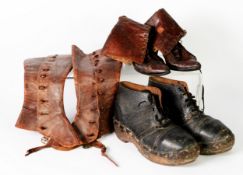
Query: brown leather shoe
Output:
(131,42)
(180,59)
(153,65)
(167,36)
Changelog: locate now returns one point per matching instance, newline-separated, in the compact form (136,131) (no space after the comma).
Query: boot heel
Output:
(121,131)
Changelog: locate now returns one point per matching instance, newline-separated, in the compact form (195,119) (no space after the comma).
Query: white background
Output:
(39,28)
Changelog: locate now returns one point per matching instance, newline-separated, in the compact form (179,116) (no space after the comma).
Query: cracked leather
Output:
(204,128)
(141,113)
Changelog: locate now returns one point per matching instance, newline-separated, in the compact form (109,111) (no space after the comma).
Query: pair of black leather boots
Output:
(165,124)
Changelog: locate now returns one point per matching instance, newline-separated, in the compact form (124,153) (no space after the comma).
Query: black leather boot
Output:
(179,105)
(139,119)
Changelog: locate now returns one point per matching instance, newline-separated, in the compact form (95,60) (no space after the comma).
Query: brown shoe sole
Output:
(172,158)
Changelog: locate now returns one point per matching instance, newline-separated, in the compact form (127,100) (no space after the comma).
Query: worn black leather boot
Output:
(139,119)
(179,105)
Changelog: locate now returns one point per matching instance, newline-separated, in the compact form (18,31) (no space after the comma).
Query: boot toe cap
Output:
(176,146)
(224,141)
(179,146)
(214,137)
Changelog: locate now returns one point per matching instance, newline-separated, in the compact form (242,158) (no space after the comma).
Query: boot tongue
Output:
(190,97)
(183,85)
(168,81)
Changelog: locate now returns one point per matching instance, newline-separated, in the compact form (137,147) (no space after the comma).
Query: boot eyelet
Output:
(45,69)
(42,87)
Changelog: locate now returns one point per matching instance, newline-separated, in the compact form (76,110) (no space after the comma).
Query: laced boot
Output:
(180,105)
(139,119)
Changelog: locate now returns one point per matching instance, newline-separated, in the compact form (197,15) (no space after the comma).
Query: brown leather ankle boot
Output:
(129,42)
(182,60)
(152,65)
(167,36)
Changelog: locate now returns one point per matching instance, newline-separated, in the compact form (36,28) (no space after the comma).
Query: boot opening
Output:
(168,81)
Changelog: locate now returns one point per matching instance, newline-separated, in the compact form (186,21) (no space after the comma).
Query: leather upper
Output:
(141,112)
(181,107)
(43,109)
(181,59)
(168,32)
(153,65)
(127,41)
(96,80)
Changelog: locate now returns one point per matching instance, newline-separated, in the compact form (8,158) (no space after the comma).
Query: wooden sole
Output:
(172,158)
(217,147)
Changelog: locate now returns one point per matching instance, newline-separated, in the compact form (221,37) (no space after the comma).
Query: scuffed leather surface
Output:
(127,41)
(51,120)
(181,59)
(28,115)
(88,113)
(168,32)
(107,74)
(141,113)
(204,128)
(96,79)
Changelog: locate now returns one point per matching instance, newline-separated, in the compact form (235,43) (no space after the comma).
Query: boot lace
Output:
(191,103)
(159,113)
